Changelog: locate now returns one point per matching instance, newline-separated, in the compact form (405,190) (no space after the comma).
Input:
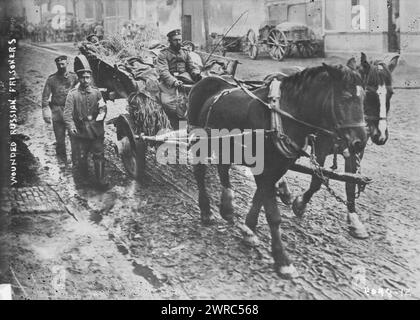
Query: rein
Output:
(334,135)
(285,113)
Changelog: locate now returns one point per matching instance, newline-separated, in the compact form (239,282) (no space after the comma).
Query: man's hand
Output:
(73,132)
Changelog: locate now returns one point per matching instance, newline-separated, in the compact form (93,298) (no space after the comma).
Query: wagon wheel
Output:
(305,49)
(133,149)
(277,44)
(134,159)
(251,44)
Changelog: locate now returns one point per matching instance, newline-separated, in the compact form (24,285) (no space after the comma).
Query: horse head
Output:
(377,81)
(331,98)
(347,103)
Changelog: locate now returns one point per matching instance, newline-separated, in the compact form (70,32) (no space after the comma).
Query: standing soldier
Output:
(57,87)
(84,115)
(175,67)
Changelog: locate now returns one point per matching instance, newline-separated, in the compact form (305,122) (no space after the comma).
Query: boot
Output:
(60,151)
(83,167)
(100,174)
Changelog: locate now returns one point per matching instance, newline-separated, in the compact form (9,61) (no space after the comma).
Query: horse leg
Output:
(300,202)
(283,191)
(356,227)
(203,198)
(282,262)
(226,200)
(251,220)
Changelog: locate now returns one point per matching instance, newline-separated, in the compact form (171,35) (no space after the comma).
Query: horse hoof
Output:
(298,207)
(249,237)
(287,272)
(356,228)
(285,197)
(208,220)
(226,206)
(227,214)
(358,233)
(284,193)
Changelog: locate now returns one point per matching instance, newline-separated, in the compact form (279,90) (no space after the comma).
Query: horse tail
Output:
(200,93)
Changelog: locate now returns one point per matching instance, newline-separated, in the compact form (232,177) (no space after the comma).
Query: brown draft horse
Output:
(327,97)
(377,81)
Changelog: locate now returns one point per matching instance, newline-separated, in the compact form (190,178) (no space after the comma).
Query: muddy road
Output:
(145,240)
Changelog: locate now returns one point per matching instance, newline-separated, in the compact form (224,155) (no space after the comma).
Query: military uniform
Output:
(57,86)
(171,66)
(81,110)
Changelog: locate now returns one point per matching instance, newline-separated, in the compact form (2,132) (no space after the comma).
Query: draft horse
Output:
(377,82)
(325,98)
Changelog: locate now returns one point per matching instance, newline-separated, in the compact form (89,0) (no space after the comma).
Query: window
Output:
(346,15)
(358,15)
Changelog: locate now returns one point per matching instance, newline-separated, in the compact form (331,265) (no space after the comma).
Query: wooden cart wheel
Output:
(133,149)
(277,44)
(305,49)
(134,159)
(251,44)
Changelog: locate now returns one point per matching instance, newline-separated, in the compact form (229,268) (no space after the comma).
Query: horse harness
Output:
(283,142)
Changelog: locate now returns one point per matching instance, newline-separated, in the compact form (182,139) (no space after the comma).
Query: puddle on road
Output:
(95,217)
(122,249)
(141,270)
(146,273)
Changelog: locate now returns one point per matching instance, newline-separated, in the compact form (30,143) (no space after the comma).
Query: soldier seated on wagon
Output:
(175,68)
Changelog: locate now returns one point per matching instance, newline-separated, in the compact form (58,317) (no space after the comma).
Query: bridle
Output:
(337,125)
(369,117)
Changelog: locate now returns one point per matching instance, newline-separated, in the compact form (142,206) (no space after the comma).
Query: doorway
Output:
(394,42)
(187,27)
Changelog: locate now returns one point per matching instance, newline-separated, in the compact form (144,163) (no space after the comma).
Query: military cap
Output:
(81,64)
(60,58)
(176,32)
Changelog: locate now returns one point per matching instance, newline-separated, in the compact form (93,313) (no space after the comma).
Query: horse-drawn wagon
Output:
(281,40)
(139,116)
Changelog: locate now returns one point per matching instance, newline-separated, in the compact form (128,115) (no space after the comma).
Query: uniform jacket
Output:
(170,63)
(57,86)
(80,112)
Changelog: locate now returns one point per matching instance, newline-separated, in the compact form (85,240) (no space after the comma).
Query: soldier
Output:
(92,38)
(175,68)
(57,86)
(99,31)
(84,115)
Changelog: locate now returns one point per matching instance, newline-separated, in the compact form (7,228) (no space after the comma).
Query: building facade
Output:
(372,26)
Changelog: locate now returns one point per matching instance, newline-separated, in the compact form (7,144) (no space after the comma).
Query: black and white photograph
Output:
(229,151)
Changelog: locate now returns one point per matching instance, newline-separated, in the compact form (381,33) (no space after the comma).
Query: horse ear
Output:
(352,64)
(363,57)
(333,72)
(393,63)
(364,62)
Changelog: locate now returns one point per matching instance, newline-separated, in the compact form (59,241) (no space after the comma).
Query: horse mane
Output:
(315,83)
(379,74)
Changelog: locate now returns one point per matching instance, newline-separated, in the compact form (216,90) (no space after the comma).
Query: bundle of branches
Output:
(149,117)
(117,48)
